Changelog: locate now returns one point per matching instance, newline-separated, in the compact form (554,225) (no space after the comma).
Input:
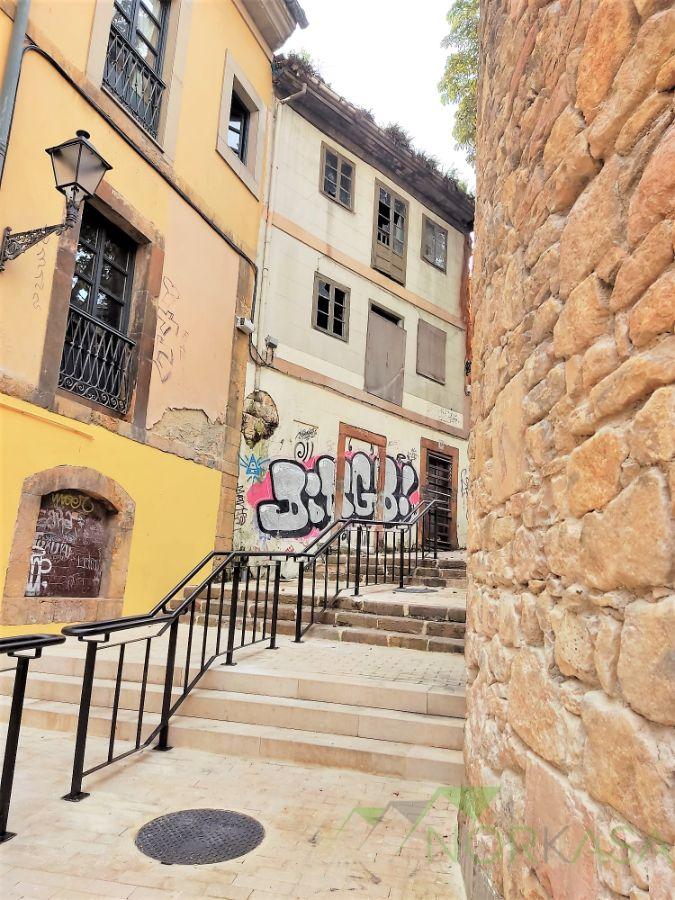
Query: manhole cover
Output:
(197,837)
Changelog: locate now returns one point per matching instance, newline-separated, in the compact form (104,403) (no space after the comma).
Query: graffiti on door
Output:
(297,497)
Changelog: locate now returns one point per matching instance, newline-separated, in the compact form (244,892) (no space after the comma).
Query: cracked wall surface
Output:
(571,613)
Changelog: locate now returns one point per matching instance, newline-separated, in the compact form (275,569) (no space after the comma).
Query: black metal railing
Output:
(23,649)
(235,605)
(353,553)
(138,87)
(96,361)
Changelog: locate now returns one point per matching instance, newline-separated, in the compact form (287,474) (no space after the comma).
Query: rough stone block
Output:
(654,197)
(646,665)
(584,318)
(628,765)
(573,645)
(652,433)
(643,267)
(536,714)
(654,313)
(630,544)
(508,441)
(593,471)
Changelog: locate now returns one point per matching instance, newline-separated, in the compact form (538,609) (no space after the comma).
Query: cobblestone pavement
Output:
(74,851)
(321,657)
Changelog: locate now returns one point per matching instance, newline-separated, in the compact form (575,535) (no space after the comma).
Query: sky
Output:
(386,55)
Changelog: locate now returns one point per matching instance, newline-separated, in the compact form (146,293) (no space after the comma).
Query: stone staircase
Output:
(418,619)
(405,729)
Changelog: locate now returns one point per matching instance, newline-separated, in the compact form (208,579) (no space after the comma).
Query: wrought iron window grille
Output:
(135,82)
(96,362)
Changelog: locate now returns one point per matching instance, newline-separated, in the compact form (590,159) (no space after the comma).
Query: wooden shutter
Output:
(385,359)
(390,232)
(431,351)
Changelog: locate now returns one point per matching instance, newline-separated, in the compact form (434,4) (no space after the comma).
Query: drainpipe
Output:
(271,193)
(10,81)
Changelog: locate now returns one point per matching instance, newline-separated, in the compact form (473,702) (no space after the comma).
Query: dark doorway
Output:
(439,477)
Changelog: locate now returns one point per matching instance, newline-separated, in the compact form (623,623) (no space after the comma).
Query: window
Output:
(241,127)
(434,244)
(237,132)
(337,177)
(390,236)
(385,355)
(431,351)
(97,353)
(331,308)
(134,59)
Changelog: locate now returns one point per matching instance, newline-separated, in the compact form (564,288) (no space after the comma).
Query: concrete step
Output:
(387,638)
(401,624)
(250,679)
(247,709)
(381,757)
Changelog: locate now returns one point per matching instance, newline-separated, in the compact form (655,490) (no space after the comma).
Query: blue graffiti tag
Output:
(254,467)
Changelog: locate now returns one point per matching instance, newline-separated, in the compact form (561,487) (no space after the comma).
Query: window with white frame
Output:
(434,243)
(241,128)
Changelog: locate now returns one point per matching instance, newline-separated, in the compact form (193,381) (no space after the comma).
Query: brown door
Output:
(440,486)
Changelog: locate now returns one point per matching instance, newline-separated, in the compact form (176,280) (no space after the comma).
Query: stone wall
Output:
(571,634)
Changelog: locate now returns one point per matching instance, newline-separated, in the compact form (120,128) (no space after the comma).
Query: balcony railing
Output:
(96,361)
(138,87)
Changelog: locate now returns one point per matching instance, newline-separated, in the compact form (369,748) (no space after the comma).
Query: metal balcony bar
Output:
(135,84)
(96,361)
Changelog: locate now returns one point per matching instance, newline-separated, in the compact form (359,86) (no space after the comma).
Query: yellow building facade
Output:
(121,370)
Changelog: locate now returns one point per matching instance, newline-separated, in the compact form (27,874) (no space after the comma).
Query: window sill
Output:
(129,117)
(240,169)
(442,269)
(349,209)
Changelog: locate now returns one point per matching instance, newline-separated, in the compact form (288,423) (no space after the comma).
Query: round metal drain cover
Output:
(197,837)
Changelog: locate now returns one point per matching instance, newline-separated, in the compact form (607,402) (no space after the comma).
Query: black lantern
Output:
(78,170)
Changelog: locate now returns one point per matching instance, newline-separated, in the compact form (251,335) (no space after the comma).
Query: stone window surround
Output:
(173,69)
(17,609)
(250,172)
(145,289)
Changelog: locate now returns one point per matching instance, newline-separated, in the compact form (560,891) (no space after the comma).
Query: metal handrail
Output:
(24,648)
(253,577)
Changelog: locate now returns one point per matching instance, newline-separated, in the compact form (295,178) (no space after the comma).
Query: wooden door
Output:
(439,481)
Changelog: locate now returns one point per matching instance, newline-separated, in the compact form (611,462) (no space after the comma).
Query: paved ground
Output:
(83,850)
(320,657)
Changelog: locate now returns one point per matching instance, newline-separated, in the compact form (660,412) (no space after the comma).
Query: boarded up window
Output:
(390,237)
(385,357)
(71,537)
(431,351)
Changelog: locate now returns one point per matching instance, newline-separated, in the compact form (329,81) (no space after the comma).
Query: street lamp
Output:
(78,170)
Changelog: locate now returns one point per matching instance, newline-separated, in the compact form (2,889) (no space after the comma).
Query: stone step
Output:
(410,761)
(387,638)
(439,572)
(417,609)
(369,692)
(247,709)
(401,624)
(428,581)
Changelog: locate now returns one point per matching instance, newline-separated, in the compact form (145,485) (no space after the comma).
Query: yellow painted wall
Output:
(176,500)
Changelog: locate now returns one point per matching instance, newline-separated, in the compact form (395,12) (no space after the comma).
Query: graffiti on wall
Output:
(464,489)
(297,497)
(171,337)
(70,538)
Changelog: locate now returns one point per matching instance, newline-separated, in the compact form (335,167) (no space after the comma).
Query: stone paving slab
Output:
(316,845)
(320,657)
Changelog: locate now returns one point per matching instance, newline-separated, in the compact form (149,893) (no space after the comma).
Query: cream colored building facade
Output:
(367,359)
